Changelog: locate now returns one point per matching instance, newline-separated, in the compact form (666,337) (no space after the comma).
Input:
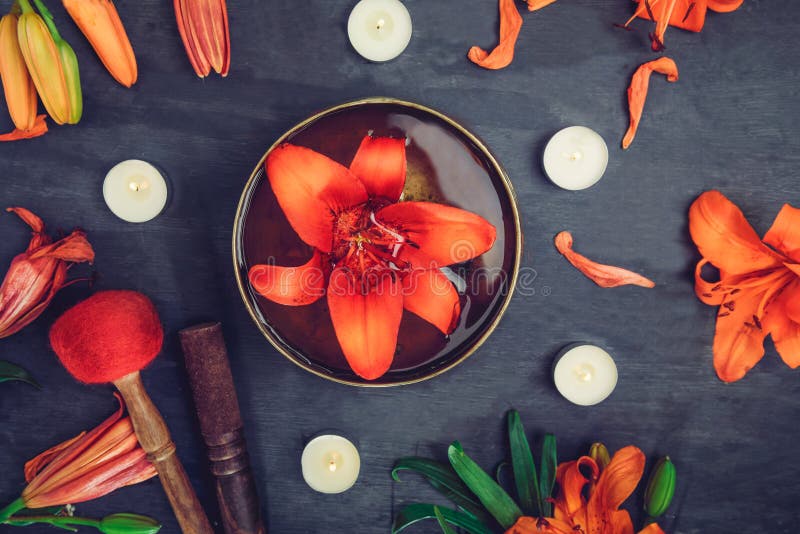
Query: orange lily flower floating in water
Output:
(600,513)
(758,292)
(685,14)
(374,256)
(85,467)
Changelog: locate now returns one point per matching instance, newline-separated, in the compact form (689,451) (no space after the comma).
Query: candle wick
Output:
(138,186)
(381,24)
(332,466)
(575,156)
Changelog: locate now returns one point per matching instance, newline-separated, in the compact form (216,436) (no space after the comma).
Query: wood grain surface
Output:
(729,123)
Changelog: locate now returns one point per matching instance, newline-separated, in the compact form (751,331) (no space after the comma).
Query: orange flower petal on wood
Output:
(366,319)
(291,286)
(782,321)
(602,275)
(571,481)
(503,53)
(39,128)
(430,295)
(725,238)
(637,91)
(99,21)
(724,6)
(380,164)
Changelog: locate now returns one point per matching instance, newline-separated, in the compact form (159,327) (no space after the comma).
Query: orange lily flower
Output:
(85,467)
(374,256)
(685,14)
(36,275)
(600,513)
(758,292)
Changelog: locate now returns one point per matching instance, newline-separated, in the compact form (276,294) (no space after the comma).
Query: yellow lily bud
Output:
(18,87)
(44,63)
(69,65)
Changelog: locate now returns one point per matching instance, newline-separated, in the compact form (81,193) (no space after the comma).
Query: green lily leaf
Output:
(414,513)
(547,478)
(524,467)
(10,371)
(492,496)
(445,480)
(442,523)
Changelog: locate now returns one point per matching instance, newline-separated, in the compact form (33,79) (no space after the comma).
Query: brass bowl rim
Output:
(509,189)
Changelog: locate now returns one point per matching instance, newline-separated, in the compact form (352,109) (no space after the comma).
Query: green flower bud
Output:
(660,488)
(128,524)
(599,453)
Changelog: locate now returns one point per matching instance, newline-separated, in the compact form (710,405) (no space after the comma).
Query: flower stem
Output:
(55,520)
(11,509)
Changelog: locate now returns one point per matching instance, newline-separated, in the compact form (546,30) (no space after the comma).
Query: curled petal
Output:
(637,91)
(34,465)
(571,482)
(39,128)
(503,54)
(311,189)
(724,6)
(784,234)
(437,235)
(602,275)
(366,317)
(380,164)
(431,295)
(725,238)
(291,286)
(652,528)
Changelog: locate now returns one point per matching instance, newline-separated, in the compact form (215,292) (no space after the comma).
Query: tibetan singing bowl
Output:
(445,164)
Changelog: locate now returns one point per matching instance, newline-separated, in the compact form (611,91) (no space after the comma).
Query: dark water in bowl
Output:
(443,166)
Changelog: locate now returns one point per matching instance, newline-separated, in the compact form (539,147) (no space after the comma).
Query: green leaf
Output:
(547,478)
(494,498)
(524,467)
(444,479)
(442,523)
(10,371)
(414,513)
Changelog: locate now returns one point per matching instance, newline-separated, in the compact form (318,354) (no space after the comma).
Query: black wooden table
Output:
(729,123)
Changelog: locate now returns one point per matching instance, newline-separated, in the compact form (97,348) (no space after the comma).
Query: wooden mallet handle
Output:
(156,441)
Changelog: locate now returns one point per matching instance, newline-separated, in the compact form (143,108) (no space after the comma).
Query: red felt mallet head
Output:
(107,336)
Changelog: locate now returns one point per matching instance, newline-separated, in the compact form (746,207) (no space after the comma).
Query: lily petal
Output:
(291,286)
(784,234)
(366,320)
(739,337)
(571,482)
(621,522)
(782,321)
(431,295)
(617,481)
(637,91)
(601,274)
(652,528)
(537,525)
(311,189)
(725,238)
(724,6)
(437,235)
(503,53)
(380,164)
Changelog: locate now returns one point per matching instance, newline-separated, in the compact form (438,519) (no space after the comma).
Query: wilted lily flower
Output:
(85,467)
(38,273)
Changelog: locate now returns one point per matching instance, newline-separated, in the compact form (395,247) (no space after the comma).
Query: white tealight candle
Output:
(135,191)
(575,158)
(585,374)
(379,30)
(330,464)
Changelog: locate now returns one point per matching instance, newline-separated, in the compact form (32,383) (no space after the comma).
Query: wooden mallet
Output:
(110,337)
